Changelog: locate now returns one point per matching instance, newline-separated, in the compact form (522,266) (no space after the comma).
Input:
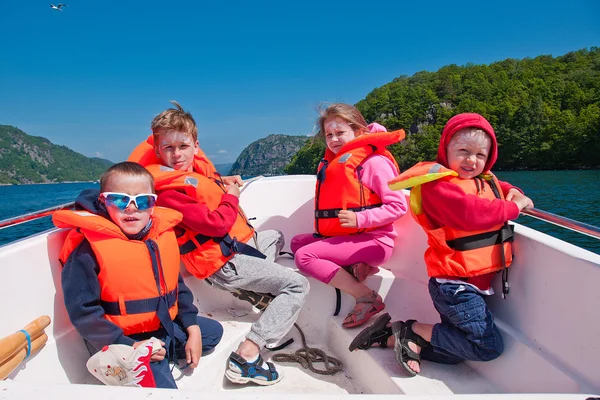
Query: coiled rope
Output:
(307,356)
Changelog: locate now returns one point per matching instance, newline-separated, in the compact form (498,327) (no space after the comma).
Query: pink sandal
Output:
(360,271)
(371,305)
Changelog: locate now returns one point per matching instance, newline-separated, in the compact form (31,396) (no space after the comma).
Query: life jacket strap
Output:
(190,246)
(333,212)
(140,306)
(486,239)
(227,244)
(231,246)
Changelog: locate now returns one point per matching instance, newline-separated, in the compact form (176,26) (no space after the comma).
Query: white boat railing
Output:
(563,222)
(6,223)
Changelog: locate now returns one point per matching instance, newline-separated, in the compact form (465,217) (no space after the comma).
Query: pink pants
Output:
(322,258)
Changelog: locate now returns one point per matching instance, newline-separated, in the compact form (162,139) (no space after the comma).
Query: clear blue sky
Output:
(93,76)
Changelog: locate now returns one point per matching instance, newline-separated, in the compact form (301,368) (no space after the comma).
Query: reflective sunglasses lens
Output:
(118,200)
(145,202)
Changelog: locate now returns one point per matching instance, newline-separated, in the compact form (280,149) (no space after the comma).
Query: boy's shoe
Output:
(239,370)
(258,300)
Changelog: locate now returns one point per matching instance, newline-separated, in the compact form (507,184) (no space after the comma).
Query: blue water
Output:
(573,194)
(23,199)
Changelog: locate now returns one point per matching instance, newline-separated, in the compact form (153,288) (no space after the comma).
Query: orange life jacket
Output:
(135,276)
(203,255)
(339,181)
(453,252)
(144,154)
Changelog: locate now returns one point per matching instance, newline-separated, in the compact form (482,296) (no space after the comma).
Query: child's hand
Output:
(193,347)
(159,355)
(233,180)
(522,201)
(512,193)
(347,219)
(233,189)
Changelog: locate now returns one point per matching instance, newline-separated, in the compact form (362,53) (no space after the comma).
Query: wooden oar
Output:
(13,344)
(12,363)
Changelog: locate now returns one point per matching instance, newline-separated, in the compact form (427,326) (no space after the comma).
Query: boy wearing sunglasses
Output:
(121,278)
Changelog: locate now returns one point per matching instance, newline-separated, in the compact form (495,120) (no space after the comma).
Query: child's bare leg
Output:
(348,284)
(248,349)
(368,302)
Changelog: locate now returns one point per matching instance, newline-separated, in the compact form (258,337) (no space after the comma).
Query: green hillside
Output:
(33,159)
(545,111)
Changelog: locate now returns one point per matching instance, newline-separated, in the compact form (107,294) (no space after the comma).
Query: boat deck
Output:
(365,372)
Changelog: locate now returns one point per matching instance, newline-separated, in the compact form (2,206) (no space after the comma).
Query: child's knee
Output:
(301,285)
(295,244)
(303,258)
(491,348)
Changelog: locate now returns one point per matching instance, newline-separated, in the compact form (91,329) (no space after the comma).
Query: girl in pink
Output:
(354,208)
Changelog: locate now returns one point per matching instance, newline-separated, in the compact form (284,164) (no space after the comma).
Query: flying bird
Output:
(58,6)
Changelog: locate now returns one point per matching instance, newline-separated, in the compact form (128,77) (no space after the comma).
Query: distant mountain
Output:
(223,169)
(33,159)
(267,156)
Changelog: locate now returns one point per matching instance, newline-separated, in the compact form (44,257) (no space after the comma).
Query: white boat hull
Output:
(549,321)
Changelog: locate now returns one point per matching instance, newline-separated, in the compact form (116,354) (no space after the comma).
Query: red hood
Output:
(467,120)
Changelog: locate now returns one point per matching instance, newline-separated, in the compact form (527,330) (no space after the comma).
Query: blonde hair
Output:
(348,113)
(174,120)
(126,168)
(471,132)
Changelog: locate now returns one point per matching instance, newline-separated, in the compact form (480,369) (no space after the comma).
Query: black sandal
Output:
(258,300)
(377,332)
(404,335)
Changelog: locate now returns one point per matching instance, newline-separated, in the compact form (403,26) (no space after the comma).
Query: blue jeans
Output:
(467,330)
(211,330)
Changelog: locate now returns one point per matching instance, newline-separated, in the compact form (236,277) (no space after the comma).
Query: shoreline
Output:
(45,183)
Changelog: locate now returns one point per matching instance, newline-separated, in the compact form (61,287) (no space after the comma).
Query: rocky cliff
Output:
(267,156)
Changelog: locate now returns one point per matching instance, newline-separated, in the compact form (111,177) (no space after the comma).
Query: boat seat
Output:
(377,370)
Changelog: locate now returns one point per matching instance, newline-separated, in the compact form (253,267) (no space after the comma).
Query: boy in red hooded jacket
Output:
(464,210)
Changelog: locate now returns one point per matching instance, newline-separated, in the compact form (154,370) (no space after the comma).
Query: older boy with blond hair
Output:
(218,244)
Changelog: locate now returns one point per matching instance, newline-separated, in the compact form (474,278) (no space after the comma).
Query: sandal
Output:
(239,370)
(359,270)
(404,335)
(258,300)
(378,333)
(372,305)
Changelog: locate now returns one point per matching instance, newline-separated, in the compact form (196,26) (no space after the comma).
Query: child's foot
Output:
(360,271)
(364,309)
(378,334)
(407,346)
(240,370)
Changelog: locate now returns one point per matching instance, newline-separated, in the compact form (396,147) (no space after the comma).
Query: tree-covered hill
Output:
(267,156)
(545,111)
(33,159)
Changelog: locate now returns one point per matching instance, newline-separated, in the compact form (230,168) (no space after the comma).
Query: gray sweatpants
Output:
(266,276)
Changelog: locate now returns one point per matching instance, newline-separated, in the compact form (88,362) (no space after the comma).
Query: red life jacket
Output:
(203,255)
(144,154)
(453,252)
(339,181)
(129,269)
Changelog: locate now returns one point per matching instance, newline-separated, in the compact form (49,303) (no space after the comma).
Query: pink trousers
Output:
(322,258)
